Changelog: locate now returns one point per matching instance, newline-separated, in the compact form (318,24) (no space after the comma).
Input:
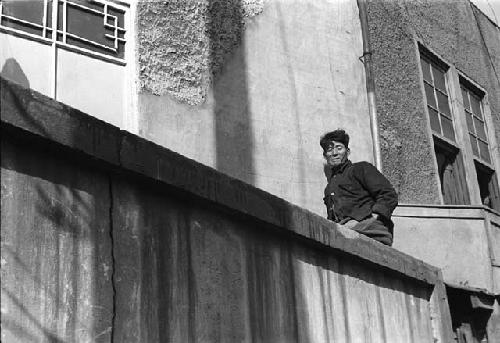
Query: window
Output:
(478,135)
(488,187)
(74,51)
(448,156)
(436,94)
(475,124)
(451,173)
(95,26)
(458,118)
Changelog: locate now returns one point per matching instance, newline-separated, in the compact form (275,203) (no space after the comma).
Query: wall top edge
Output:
(27,114)
(445,211)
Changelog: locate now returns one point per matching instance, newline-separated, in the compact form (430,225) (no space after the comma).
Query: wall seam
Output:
(113,258)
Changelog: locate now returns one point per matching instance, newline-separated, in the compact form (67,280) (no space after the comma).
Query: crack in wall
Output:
(113,258)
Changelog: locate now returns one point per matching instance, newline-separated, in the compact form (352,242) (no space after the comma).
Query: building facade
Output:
(437,84)
(247,88)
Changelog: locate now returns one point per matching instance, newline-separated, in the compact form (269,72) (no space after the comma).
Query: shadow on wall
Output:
(233,126)
(55,239)
(12,71)
(54,283)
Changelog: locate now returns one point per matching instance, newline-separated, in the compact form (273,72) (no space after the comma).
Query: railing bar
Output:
(119,28)
(91,53)
(21,21)
(25,34)
(88,9)
(71,35)
(115,19)
(44,19)
(107,35)
(55,14)
(65,19)
(116,6)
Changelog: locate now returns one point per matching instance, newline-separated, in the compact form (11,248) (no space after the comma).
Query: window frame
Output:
(130,117)
(51,38)
(480,94)
(438,64)
(454,79)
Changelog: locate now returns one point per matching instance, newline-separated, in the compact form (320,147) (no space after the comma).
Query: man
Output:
(357,196)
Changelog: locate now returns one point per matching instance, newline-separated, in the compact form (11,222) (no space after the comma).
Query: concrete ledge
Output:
(444,211)
(28,113)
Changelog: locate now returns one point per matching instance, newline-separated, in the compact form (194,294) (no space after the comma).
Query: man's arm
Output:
(380,189)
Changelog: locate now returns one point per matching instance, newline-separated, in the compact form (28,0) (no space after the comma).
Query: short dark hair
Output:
(338,135)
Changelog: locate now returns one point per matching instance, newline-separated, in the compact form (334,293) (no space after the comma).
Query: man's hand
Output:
(376,216)
(350,224)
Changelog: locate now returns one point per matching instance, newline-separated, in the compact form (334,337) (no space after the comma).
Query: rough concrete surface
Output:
(226,280)
(55,249)
(448,28)
(182,45)
(289,74)
(460,248)
(86,136)
(161,248)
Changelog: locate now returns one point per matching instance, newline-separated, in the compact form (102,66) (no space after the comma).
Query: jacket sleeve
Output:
(379,188)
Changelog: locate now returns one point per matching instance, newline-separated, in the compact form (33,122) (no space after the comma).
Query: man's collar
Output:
(341,168)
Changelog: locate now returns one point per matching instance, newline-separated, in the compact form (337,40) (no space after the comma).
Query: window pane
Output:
(488,187)
(426,70)
(447,125)
(476,108)
(31,11)
(429,92)
(480,132)
(443,103)
(473,143)
(439,79)
(465,98)
(87,24)
(483,151)
(470,125)
(434,119)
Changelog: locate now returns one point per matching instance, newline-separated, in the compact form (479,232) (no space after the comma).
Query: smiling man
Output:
(357,196)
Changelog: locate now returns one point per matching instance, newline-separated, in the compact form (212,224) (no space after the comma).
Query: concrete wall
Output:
(248,87)
(462,241)
(108,237)
(87,83)
(450,29)
(26,62)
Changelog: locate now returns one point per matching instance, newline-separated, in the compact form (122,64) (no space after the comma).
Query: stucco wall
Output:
(26,62)
(448,28)
(87,83)
(457,240)
(107,236)
(248,87)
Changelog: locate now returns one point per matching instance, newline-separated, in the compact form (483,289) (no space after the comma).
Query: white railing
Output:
(52,34)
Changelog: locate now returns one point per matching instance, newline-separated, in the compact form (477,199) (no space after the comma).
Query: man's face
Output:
(335,154)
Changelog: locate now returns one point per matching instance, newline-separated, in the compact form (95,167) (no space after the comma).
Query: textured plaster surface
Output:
(460,247)
(255,107)
(450,30)
(182,45)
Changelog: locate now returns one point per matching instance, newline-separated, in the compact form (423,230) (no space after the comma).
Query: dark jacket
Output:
(355,191)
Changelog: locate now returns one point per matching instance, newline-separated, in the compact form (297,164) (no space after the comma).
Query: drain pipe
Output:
(366,59)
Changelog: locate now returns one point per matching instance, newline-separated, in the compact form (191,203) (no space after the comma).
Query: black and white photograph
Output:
(250,171)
